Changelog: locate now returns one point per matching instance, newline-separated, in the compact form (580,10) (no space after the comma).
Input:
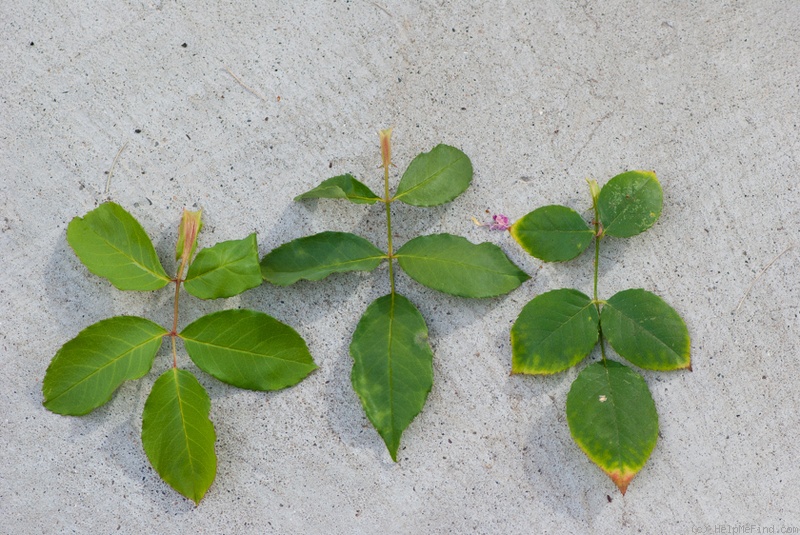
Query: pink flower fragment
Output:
(499,222)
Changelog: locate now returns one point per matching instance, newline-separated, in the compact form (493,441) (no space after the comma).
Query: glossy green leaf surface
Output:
(630,203)
(435,177)
(341,187)
(646,331)
(554,331)
(553,233)
(613,419)
(178,436)
(454,265)
(317,256)
(88,369)
(248,349)
(112,244)
(392,366)
(224,270)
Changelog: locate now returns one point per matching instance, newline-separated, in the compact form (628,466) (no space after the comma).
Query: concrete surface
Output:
(540,95)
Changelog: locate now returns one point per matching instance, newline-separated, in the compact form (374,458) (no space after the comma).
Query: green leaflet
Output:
(645,330)
(392,366)
(88,369)
(454,265)
(553,233)
(178,436)
(317,256)
(435,177)
(341,187)
(613,419)
(610,412)
(224,270)
(248,349)
(392,371)
(555,331)
(242,347)
(112,244)
(630,203)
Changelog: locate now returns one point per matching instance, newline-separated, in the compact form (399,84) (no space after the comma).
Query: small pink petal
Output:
(500,222)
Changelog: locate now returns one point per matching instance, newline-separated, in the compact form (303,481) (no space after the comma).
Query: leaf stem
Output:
(172,337)
(598,235)
(174,332)
(596,265)
(388,202)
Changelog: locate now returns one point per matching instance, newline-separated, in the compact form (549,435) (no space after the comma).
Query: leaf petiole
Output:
(598,236)
(386,155)
(176,306)
(174,332)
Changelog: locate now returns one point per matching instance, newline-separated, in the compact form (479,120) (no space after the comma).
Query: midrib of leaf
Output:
(217,268)
(611,398)
(568,320)
(336,264)
(391,370)
(183,420)
(354,196)
(618,441)
(451,262)
(134,260)
(559,231)
(236,350)
(433,176)
(346,195)
(106,365)
(651,334)
(625,209)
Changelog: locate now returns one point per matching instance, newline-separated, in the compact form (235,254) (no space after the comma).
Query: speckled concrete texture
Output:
(236,107)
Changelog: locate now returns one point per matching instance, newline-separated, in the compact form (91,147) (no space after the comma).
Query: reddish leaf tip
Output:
(621,480)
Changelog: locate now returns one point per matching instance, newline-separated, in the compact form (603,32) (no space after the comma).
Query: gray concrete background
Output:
(540,96)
